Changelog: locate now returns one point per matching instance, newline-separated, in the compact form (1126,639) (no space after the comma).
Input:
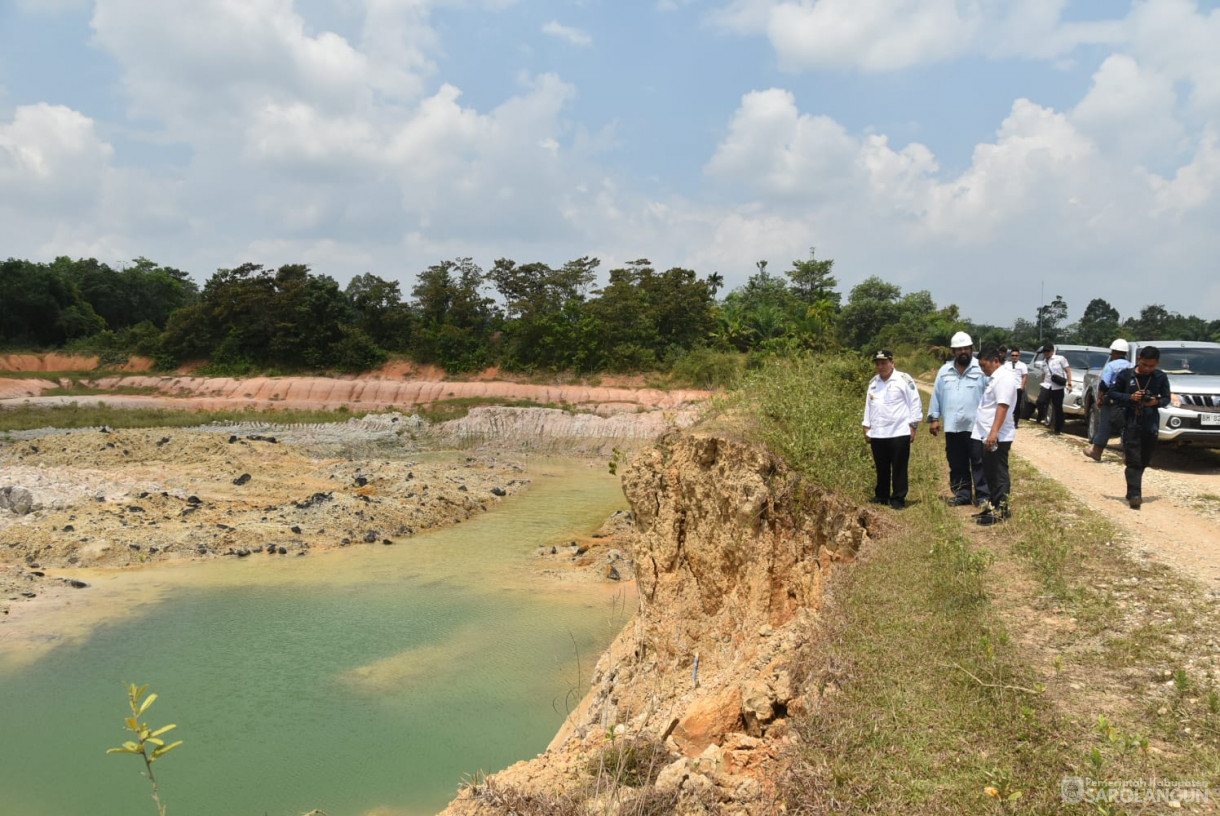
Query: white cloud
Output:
(1130,112)
(874,35)
(891,35)
(773,149)
(571,35)
(1043,198)
(51,158)
(202,66)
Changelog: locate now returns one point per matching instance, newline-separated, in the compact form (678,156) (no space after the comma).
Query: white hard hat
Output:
(960,340)
(1120,345)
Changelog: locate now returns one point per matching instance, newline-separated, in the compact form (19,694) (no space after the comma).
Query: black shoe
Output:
(898,504)
(960,501)
(988,519)
(1135,503)
(875,500)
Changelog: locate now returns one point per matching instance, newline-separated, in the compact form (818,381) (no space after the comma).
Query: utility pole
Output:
(1041,309)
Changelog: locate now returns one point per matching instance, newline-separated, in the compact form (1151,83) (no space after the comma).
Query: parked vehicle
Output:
(1193,416)
(1081,359)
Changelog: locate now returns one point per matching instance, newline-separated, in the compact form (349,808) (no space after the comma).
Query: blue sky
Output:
(984,150)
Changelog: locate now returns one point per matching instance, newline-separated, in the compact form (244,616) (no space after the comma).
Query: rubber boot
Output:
(1093,452)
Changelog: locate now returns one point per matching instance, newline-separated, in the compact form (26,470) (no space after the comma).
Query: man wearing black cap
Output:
(891,414)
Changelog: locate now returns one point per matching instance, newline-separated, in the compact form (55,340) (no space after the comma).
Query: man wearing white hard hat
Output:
(959,388)
(1118,361)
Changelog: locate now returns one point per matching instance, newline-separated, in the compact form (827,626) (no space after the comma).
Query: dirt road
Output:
(1179,523)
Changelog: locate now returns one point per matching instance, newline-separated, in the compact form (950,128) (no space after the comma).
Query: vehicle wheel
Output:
(1027,408)
(1051,415)
(1092,419)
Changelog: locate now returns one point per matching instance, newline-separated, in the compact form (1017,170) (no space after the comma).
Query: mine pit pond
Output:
(363,682)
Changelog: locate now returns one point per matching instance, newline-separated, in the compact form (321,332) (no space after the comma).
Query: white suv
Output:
(1193,417)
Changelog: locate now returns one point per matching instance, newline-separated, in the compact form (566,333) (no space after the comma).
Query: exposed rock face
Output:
(535,428)
(271,393)
(731,554)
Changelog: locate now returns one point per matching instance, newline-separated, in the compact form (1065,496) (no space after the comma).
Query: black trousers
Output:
(965,457)
(1138,447)
(891,457)
(995,464)
(1016,409)
(1048,396)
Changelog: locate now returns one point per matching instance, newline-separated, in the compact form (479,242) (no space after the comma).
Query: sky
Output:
(994,153)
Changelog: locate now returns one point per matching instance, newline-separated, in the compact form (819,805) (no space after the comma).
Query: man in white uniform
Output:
(1018,365)
(993,426)
(892,411)
(1056,376)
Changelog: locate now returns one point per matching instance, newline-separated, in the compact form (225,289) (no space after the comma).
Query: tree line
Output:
(521,317)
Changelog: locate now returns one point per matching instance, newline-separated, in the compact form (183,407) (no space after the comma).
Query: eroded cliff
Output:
(732,550)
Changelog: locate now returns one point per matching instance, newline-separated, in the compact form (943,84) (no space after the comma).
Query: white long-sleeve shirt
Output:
(892,407)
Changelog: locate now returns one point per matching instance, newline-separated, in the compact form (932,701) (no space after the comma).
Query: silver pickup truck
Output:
(1193,416)
(1081,359)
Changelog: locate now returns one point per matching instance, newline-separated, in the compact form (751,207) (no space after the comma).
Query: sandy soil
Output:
(1179,522)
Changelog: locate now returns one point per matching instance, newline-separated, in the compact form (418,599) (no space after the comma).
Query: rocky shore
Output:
(119,498)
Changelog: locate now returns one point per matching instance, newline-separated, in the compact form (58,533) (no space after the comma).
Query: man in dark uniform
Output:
(1140,391)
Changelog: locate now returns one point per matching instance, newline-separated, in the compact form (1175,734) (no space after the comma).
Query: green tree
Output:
(871,306)
(1099,325)
(812,281)
(379,311)
(1051,319)
(455,317)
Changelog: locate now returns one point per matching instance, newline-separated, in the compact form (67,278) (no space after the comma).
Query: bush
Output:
(808,411)
(705,368)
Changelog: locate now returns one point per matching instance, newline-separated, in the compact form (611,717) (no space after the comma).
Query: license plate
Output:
(1209,419)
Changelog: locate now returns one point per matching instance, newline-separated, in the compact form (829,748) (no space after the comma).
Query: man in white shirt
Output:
(1055,367)
(993,426)
(1018,365)
(892,411)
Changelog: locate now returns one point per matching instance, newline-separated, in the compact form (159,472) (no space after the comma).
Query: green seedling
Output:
(145,738)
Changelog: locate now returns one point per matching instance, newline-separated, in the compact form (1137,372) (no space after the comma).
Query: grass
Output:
(808,411)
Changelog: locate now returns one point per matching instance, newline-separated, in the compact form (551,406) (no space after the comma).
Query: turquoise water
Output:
(363,682)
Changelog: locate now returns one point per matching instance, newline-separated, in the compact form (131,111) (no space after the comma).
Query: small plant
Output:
(1000,787)
(145,737)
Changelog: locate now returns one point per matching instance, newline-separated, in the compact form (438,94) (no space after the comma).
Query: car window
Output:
(1204,361)
(1081,360)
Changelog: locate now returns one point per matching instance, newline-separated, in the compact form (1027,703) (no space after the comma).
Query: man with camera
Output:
(1056,376)
(1140,391)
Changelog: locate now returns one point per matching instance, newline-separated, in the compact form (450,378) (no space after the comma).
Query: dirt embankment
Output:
(64,362)
(731,554)
(393,386)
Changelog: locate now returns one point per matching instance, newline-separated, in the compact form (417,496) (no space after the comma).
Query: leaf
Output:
(120,751)
(147,702)
(163,750)
(132,725)
(162,730)
(155,741)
